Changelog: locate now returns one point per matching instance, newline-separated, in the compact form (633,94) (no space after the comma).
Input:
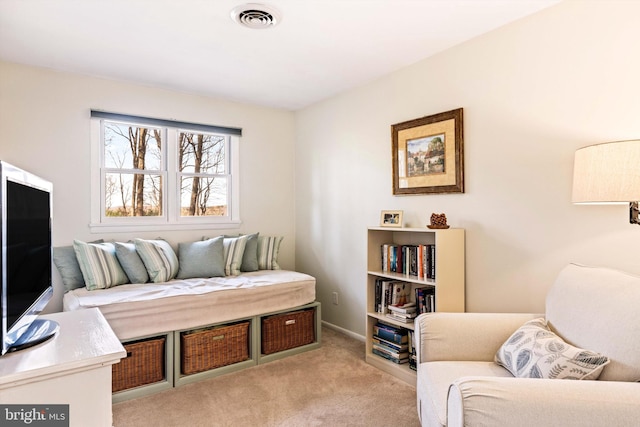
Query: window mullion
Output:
(172,190)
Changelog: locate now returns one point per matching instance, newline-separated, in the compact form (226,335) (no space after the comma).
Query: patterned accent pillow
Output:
(159,259)
(534,351)
(233,253)
(64,257)
(131,262)
(268,248)
(204,258)
(99,265)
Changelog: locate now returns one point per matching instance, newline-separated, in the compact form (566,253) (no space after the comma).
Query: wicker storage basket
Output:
(144,364)
(288,330)
(214,347)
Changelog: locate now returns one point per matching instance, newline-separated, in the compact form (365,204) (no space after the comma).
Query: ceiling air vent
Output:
(256,16)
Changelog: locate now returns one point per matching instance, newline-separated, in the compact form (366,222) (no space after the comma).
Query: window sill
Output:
(124,228)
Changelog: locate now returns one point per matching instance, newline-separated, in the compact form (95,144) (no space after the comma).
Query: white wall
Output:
(44,128)
(532,92)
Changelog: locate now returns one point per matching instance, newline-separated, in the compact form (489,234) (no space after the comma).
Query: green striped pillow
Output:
(268,248)
(99,265)
(159,259)
(233,253)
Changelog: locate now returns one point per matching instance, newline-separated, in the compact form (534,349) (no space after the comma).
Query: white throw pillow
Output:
(534,351)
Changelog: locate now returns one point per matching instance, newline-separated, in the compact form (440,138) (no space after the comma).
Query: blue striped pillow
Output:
(233,253)
(159,259)
(99,265)
(268,248)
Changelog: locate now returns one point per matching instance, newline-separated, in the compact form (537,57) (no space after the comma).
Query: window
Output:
(154,174)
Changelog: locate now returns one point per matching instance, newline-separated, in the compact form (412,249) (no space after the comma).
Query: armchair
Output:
(460,384)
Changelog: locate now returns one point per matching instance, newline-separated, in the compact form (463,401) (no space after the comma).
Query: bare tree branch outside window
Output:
(127,152)
(134,171)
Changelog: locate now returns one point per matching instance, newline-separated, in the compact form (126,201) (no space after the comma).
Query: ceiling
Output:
(319,49)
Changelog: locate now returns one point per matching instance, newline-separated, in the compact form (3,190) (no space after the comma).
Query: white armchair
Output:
(597,309)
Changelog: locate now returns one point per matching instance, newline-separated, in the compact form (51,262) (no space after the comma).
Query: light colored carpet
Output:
(329,386)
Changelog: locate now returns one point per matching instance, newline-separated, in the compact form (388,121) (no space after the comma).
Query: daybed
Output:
(137,310)
(482,369)
(149,294)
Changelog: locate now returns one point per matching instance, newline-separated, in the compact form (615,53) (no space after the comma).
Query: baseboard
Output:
(343,331)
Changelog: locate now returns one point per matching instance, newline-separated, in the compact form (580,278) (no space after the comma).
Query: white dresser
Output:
(72,368)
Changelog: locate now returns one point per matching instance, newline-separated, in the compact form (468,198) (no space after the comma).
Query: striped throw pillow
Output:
(233,253)
(159,259)
(99,265)
(268,248)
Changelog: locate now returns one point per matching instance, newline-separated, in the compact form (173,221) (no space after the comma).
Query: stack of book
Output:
(391,292)
(391,342)
(401,301)
(403,313)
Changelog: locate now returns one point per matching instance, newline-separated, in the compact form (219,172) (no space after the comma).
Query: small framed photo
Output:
(391,218)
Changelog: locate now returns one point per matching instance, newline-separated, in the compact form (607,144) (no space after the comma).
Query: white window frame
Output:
(171,218)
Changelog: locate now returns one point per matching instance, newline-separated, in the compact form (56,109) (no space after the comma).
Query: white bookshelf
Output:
(449,281)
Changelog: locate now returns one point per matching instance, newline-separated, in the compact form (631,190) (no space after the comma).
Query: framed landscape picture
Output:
(427,154)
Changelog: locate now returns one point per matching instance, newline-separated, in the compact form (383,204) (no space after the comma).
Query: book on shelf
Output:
(387,332)
(425,298)
(392,345)
(391,358)
(382,295)
(391,292)
(391,342)
(402,313)
(401,318)
(407,308)
(413,260)
(413,359)
(391,351)
(400,293)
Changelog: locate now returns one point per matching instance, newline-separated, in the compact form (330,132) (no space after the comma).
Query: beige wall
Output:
(44,128)
(532,92)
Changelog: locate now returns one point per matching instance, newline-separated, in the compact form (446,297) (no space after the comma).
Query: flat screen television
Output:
(26,254)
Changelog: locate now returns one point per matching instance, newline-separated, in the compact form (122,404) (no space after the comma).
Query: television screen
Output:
(28,247)
(26,258)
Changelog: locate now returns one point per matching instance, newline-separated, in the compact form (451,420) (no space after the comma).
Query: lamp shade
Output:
(607,173)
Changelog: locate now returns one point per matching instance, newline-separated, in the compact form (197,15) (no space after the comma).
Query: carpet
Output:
(329,386)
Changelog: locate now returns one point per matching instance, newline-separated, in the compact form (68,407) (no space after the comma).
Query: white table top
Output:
(85,340)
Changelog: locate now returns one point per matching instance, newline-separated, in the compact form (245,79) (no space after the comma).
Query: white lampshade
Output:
(607,173)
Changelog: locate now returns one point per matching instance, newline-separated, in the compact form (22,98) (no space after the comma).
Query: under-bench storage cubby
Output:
(213,350)
(209,348)
(143,365)
(288,330)
(147,368)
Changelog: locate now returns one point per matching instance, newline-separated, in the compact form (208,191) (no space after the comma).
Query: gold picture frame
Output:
(391,218)
(428,154)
